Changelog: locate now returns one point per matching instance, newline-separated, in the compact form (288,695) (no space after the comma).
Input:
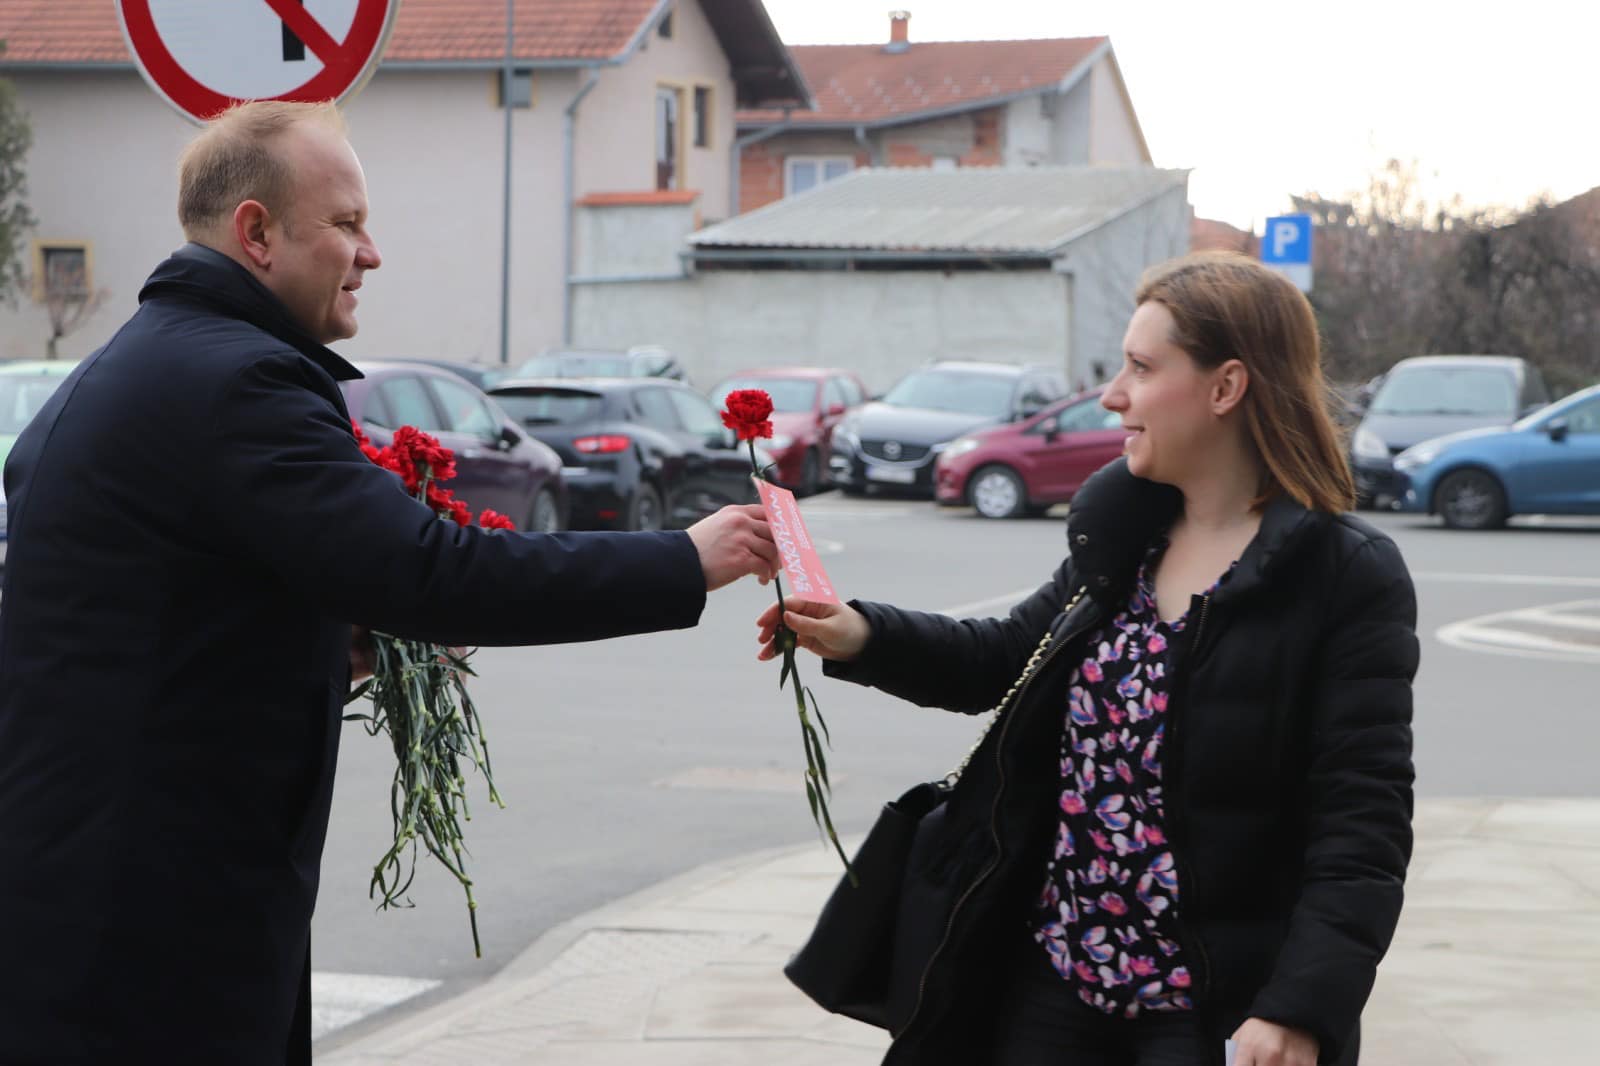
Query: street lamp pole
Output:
(505,237)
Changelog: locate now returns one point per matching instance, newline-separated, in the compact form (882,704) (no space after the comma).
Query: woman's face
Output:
(1165,399)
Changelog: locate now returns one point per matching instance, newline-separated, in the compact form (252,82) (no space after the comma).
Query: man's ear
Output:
(255,230)
(1229,383)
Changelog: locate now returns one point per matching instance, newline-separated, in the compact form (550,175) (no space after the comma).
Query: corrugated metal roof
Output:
(1011,211)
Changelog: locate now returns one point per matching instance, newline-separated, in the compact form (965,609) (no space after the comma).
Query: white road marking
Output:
(1550,580)
(341,999)
(1498,633)
(977,607)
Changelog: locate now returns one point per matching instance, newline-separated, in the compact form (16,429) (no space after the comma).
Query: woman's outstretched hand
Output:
(830,630)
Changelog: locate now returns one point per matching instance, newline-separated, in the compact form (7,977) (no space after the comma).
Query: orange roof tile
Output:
(87,31)
(867,84)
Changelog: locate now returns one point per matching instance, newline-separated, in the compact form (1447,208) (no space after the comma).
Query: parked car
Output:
(1024,467)
(807,404)
(24,388)
(25,385)
(893,442)
(1547,463)
(638,453)
(1429,396)
(641,361)
(498,465)
(482,377)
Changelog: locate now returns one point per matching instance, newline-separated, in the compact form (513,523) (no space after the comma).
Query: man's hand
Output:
(831,630)
(1262,1043)
(734,542)
(362,660)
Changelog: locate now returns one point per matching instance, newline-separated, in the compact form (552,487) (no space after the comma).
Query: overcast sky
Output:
(1264,99)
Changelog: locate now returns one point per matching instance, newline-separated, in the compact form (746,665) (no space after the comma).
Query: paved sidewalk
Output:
(1496,963)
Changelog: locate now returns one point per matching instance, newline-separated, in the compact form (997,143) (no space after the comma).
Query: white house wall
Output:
(1030,132)
(102,170)
(880,324)
(1070,133)
(1114,137)
(616,140)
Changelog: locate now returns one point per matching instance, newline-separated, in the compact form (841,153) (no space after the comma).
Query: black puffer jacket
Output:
(1287,768)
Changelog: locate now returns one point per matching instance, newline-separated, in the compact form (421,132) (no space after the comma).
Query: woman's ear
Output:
(1229,383)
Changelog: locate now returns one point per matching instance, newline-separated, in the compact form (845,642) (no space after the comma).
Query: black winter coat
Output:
(1286,768)
(193,529)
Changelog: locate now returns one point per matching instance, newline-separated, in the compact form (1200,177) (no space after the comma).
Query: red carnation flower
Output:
(746,413)
(492,519)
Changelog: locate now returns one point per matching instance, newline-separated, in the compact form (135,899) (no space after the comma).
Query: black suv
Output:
(893,442)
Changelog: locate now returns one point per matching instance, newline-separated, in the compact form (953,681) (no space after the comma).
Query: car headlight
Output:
(778,443)
(846,437)
(1368,445)
(958,447)
(1421,455)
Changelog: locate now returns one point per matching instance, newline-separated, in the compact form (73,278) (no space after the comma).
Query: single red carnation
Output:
(746,412)
(460,513)
(492,519)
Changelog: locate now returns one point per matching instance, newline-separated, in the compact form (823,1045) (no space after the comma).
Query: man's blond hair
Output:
(236,158)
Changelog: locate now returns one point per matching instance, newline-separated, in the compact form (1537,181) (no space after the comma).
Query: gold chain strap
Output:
(994,715)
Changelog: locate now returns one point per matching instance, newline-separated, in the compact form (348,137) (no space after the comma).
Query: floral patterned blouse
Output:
(1107,913)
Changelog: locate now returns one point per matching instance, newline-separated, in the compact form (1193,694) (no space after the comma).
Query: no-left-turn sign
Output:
(202,56)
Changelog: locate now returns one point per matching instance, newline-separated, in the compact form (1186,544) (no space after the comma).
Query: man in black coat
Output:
(193,531)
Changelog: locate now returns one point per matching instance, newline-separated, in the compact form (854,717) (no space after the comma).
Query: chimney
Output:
(899,31)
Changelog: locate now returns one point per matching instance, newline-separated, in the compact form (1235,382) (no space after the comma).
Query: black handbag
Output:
(871,945)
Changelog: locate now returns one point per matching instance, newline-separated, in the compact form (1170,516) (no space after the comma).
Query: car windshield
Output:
(21,397)
(576,365)
(956,391)
(788,394)
(549,407)
(1447,390)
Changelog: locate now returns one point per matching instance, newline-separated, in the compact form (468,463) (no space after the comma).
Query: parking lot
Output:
(629,762)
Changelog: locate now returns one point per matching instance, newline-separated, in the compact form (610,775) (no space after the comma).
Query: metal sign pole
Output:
(505,237)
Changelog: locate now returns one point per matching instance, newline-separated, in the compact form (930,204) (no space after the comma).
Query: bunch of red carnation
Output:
(422,462)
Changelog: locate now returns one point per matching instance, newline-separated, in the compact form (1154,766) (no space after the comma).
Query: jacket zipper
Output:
(994,825)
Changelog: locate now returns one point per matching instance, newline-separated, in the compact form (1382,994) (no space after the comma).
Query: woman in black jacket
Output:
(1191,821)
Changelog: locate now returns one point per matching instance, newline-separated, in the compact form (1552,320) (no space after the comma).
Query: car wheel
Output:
(810,474)
(997,492)
(545,516)
(851,489)
(644,512)
(1471,499)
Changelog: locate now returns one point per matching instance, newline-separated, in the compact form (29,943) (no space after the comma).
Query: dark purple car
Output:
(498,466)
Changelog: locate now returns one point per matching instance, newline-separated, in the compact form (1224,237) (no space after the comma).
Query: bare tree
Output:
(16,137)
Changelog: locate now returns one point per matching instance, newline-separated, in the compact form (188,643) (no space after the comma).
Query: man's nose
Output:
(369,258)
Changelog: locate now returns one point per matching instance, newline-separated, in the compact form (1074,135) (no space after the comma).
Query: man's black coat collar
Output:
(205,276)
(1116,516)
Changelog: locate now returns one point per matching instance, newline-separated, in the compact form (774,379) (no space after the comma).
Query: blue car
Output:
(1548,463)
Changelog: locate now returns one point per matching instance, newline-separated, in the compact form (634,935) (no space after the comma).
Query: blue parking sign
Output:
(1286,247)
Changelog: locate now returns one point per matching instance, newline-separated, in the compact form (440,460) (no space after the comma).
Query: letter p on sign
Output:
(1286,248)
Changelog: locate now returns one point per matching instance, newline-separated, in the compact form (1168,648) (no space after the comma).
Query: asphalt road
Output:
(627,762)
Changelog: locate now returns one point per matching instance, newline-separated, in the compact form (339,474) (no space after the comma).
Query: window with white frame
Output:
(802,172)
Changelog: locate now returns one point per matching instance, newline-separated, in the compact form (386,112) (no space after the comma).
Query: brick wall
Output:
(760,175)
(986,148)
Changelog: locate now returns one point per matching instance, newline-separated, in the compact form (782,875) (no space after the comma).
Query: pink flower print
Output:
(1143,966)
(1157,702)
(1091,670)
(1097,872)
(1094,945)
(1156,644)
(1113,903)
(1111,978)
(1116,713)
(1087,746)
(1084,971)
(1151,759)
(1167,947)
(1128,937)
(1150,991)
(1109,811)
(1051,895)
(1125,771)
(1072,803)
(1153,835)
(1064,842)
(1164,870)
(1179,977)
(1103,653)
(1080,708)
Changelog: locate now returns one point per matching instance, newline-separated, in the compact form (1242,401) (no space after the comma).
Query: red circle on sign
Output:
(351,62)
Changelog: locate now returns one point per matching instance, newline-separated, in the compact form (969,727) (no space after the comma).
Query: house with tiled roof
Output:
(941,104)
(617,106)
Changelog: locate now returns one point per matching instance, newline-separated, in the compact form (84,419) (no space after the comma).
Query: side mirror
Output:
(1557,428)
(509,438)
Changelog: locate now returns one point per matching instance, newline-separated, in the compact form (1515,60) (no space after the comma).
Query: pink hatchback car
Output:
(1021,467)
